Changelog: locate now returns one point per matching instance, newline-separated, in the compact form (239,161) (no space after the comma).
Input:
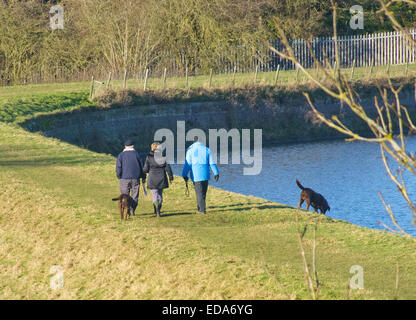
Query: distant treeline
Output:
(133,35)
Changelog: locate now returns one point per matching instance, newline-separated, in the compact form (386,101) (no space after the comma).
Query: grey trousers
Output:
(157,195)
(133,185)
(201,188)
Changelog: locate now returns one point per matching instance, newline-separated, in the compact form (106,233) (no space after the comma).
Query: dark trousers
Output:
(157,195)
(133,185)
(201,188)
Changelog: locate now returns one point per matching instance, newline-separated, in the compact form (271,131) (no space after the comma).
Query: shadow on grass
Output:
(235,205)
(232,208)
(49,161)
(170,214)
(255,206)
(28,106)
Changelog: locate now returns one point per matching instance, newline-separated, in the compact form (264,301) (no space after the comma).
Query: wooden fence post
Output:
(371,68)
(164,78)
(235,70)
(276,77)
(334,68)
(210,78)
(187,77)
(145,79)
(297,74)
(125,79)
(353,68)
(407,67)
(92,87)
(108,81)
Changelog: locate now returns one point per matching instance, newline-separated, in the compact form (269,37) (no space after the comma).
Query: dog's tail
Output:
(299,185)
(116,199)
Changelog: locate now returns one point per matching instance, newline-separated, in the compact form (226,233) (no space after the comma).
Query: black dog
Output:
(125,204)
(312,198)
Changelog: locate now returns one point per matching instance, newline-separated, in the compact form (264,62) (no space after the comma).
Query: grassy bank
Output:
(56,210)
(20,102)
(286,77)
(16,109)
(281,111)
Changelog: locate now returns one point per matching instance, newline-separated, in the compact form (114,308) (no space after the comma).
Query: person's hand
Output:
(171,179)
(216,177)
(143,180)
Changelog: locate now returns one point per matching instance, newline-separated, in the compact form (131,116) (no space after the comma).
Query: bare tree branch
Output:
(388,126)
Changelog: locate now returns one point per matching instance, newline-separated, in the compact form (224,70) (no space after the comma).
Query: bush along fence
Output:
(370,50)
(388,48)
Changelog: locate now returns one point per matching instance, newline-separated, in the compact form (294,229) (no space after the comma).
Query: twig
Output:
(306,271)
(396,287)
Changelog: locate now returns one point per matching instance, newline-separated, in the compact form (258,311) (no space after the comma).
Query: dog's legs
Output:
(307,205)
(121,212)
(127,213)
(300,202)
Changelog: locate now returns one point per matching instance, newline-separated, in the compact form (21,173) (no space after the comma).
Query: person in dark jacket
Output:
(157,179)
(129,171)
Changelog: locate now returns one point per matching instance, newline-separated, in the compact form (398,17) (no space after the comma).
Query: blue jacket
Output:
(129,166)
(198,160)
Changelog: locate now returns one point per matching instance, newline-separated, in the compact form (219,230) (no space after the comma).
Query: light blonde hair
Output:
(154,146)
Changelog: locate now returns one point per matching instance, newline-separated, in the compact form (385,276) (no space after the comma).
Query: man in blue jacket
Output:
(198,161)
(129,170)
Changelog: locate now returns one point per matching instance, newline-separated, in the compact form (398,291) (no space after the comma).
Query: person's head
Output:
(129,143)
(196,139)
(154,146)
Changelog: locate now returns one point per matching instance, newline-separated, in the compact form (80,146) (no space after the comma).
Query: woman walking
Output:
(157,179)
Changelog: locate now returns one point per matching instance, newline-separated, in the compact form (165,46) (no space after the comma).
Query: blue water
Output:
(349,174)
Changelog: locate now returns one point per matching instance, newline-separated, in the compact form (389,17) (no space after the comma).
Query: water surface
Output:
(349,174)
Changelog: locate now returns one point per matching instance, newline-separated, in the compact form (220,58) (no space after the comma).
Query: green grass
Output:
(17,108)
(22,91)
(218,81)
(19,102)
(56,210)
(286,77)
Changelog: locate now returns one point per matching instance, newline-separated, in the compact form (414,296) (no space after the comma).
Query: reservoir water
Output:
(349,174)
